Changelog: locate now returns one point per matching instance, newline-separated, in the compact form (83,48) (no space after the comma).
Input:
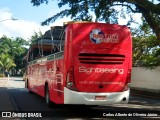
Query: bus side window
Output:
(28,59)
(56,49)
(62,47)
(30,56)
(36,54)
(45,53)
(47,50)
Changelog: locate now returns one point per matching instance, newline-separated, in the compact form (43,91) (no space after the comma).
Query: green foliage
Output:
(36,36)
(12,53)
(105,10)
(145,48)
(38,2)
(84,10)
(6,62)
(2,75)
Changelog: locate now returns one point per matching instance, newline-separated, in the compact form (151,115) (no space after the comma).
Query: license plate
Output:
(100,97)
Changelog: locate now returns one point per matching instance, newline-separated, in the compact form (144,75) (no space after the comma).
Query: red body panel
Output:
(100,67)
(100,56)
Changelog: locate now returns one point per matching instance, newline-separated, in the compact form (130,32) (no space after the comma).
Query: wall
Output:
(146,79)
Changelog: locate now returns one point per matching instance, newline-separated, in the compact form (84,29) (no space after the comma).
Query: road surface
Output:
(25,102)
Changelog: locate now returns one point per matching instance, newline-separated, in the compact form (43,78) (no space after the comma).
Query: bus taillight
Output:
(128,80)
(128,76)
(70,80)
(126,87)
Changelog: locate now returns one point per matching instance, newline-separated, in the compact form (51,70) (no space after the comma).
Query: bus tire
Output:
(47,97)
(27,86)
(30,92)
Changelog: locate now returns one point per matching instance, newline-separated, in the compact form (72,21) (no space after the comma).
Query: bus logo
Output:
(97,37)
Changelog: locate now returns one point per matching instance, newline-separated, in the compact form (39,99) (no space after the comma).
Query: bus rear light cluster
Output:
(129,76)
(70,80)
(128,80)
(126,87)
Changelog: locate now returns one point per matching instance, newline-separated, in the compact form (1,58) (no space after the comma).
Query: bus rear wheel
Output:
(47,97)
(27,86)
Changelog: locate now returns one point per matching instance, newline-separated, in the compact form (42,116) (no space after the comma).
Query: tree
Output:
(145,48)
(12,53)
(20,51)
(6,62)
(104,10)
(5,45)
(36,36)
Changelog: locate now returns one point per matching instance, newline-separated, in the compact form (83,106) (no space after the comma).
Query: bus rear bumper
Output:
(74,97)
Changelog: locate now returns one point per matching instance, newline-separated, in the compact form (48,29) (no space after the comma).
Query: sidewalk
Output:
(6,103)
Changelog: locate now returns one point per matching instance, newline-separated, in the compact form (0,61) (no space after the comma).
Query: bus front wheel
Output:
(47,97)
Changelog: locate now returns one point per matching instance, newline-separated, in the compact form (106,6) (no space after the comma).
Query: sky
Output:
(29,17)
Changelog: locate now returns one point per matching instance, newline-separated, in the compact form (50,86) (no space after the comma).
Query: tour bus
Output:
(81,63)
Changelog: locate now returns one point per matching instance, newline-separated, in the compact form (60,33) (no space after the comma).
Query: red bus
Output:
(81,63)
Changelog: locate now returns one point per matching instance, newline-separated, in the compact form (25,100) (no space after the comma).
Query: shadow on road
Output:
(33,103)
(26,102)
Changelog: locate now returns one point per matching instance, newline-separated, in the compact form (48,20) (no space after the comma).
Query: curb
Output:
(145,93)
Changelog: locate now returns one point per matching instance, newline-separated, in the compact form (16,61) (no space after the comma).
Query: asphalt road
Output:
(24,102)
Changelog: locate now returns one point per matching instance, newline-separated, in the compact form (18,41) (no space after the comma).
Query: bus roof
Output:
(57,32)
(74,22)
(54,36)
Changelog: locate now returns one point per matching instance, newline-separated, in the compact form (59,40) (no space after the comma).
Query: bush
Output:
(2,75)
